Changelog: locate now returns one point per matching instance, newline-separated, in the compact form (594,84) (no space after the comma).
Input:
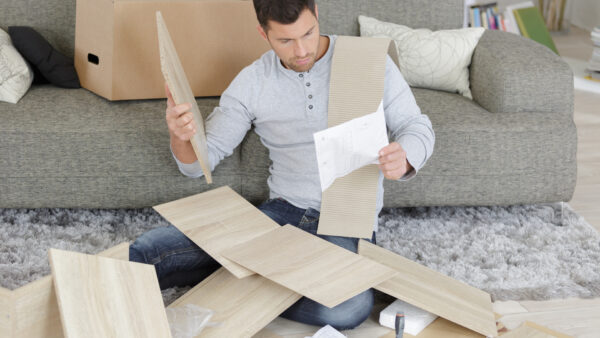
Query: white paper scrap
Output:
(327,331)
(415,319)
(350,146)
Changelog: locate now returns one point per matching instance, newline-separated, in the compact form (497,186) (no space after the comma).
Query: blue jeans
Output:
(179,261)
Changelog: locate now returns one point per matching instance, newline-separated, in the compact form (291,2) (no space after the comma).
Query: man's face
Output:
(297,43)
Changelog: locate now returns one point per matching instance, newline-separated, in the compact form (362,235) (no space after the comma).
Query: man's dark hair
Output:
(282,11)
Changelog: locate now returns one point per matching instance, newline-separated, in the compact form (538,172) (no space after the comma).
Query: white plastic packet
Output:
(188,321)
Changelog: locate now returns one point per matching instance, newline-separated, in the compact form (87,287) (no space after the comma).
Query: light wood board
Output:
(106,297)
(348,206)
(36,311)
(309,265)
(242,306)
(533,330)
(434,292)
(6,312)
(441,328)
(217,220)
(182,92)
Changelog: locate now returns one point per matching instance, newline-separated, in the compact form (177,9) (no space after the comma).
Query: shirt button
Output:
(301,75)
(308,84)
(310,96)
(310,107)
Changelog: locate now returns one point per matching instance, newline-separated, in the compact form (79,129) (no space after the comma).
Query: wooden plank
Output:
(242,306)
(6,312)
(441,328)
(182,92)
(309,265)
(36,307)
(106,297)
(533,330)
(217,220)
(434,292)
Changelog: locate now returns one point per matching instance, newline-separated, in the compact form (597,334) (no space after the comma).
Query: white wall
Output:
(583,13)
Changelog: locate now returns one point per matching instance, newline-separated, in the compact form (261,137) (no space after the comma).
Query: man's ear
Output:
(262,32)
(317,12)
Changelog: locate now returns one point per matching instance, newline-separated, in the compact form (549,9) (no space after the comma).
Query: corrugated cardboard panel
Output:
(217,220)
(348,206)
(309,265)
(94,38)
(106,297)
(242,306)
(434,292)
(182,93)
(214,39)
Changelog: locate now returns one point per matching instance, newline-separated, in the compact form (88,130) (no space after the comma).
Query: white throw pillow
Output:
(437,60)
(15,74)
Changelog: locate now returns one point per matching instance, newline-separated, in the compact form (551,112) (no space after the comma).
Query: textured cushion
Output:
(437,60)
(511,73)
(89,152)
(52,65)
(15,75)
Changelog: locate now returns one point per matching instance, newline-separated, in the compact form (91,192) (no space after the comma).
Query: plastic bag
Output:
(188,321)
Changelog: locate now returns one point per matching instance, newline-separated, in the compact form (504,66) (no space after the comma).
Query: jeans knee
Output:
(352,312)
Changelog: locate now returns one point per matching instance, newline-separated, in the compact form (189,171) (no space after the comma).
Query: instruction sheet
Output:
(350,145)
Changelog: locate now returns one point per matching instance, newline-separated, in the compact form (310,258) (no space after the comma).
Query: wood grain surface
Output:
(217,220)
(106,297)
(434,292)
(309,265)
(242,306)
(182,92)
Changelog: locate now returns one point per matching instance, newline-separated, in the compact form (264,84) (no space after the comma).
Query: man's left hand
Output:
(393,162)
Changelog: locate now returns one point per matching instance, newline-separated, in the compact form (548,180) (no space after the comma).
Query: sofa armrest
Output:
(511,73)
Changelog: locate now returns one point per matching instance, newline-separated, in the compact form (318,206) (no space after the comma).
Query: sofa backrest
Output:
(55,19)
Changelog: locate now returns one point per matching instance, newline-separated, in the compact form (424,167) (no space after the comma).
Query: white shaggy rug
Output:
(531,252)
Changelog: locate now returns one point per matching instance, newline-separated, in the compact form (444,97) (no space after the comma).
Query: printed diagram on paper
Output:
(350,145)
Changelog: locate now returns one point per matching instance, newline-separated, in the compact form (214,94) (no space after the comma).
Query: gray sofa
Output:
(514,143)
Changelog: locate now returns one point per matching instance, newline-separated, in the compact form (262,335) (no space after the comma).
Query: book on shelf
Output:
(509,16)
(486,15)
(531,24)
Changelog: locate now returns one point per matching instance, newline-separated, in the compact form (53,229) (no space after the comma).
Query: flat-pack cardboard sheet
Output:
(309,265)
(348,206)
(217,220)
(115,45)
(182,92)
(106,297)
(434,292)
(242,306)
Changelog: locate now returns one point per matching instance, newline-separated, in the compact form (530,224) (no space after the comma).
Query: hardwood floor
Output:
(576,317)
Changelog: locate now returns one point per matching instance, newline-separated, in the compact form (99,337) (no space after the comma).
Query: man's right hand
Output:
(179,118)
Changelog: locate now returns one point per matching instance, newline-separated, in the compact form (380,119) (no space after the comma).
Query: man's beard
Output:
(301,68)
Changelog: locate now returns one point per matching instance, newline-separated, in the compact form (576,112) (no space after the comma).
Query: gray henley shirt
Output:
(287,107)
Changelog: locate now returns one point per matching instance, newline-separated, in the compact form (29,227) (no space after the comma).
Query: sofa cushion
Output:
(15,74)
(50,63)
(93,150)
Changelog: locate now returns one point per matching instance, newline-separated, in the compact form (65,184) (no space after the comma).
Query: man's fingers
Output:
(390,148)
(392,157)
(176,111)
(184,119)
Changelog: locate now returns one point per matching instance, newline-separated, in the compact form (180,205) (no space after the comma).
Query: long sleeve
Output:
(406,124)
(227,125)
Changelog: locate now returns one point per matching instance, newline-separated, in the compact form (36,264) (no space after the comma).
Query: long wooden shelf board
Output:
(434,292)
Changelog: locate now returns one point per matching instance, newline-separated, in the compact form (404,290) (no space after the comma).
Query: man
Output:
(285,95)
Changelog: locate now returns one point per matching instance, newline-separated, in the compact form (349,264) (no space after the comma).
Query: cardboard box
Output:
(116,45)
